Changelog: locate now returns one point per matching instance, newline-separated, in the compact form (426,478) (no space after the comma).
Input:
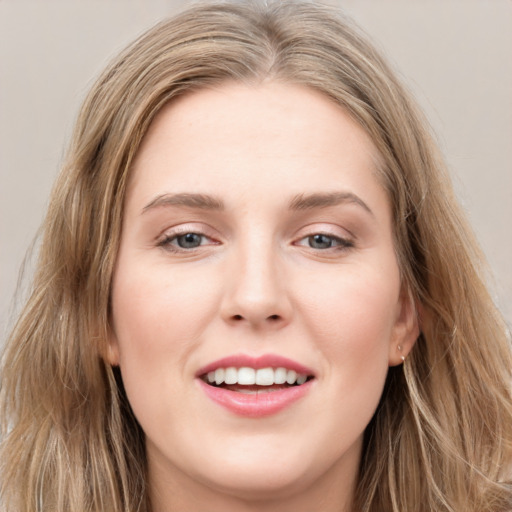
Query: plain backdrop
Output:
(455,55)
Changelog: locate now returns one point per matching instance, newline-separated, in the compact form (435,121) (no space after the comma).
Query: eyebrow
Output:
(298,202)
(201,201)
(325,200)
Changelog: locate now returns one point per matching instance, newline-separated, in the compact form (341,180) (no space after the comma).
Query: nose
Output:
(257,291)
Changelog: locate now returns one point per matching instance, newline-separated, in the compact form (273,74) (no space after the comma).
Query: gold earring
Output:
(402,356)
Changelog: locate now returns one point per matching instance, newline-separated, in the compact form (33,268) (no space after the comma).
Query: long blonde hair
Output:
(441,439)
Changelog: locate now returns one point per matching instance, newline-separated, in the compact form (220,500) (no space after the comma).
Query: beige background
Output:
(454,54)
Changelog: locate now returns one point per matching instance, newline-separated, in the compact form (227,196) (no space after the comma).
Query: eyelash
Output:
(341,244)
(167,241)
(336,243)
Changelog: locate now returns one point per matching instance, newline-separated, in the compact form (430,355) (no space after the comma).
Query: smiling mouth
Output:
(255,381)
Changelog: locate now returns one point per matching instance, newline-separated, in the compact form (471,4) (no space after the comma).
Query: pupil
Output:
(189,240)
(320,241)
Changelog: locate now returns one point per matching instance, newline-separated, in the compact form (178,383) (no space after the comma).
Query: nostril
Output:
(270,319)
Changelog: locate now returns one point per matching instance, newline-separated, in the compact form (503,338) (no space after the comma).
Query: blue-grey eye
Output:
(189,240)
(321,241)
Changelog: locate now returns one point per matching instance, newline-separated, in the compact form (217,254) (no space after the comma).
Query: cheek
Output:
(153,305)
(351,318)
(354,309)
(159,315)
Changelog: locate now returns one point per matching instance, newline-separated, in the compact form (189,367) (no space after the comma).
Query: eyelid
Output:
(342,243)
(325,228)
(170,234)
(345,239)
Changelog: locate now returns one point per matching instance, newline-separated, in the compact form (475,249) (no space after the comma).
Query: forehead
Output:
(239,138)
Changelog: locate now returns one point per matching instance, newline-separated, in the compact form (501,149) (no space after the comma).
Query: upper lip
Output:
(263,361)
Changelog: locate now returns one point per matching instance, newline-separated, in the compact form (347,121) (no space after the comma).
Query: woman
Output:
(255,290)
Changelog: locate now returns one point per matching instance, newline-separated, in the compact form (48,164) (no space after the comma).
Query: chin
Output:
(257,482)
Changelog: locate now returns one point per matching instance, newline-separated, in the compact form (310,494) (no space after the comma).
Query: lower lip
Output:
(255,405)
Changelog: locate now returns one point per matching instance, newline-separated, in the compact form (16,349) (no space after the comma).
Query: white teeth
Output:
(231,376)
(291,377)
(219,376)
(265,377)
(301,379)
(246,376)
(280,376)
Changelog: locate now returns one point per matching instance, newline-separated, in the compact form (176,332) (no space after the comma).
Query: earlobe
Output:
(406,329)
(112,349)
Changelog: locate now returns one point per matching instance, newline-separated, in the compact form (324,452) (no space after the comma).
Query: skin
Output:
(256,284)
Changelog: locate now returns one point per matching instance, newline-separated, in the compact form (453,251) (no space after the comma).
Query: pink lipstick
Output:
(255,386)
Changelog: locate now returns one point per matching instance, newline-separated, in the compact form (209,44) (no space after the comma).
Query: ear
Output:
(111,355)
(406,329)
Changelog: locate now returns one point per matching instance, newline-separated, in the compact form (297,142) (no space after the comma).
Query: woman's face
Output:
(256,237)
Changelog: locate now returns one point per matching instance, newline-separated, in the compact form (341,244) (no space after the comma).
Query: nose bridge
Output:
(256,291)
